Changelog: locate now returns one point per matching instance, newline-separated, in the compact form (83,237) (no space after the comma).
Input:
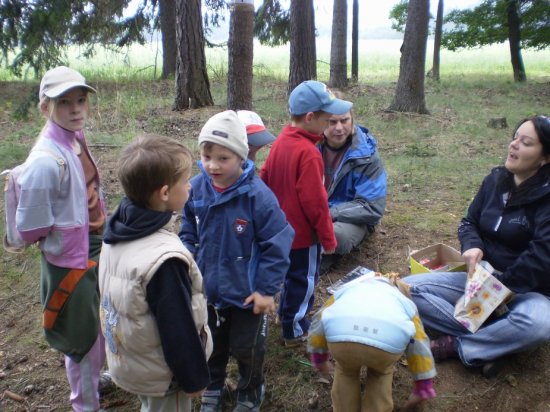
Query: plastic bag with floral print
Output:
(483,295)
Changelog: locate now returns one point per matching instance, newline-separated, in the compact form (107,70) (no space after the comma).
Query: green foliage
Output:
(38,32)
(272,24)
(213,16)
(487,24)
(398,16)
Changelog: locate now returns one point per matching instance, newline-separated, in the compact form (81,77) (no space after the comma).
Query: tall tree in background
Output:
(409,93)
(192,84)
(338,45)
(437,41)
(355,42)
(523,23)
(303,56)
(167,17)
(241,55)
(514,39)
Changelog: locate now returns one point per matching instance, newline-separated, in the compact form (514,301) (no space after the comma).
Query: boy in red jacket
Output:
(294,172)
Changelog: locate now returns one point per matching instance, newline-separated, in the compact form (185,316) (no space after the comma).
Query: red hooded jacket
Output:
(293,170)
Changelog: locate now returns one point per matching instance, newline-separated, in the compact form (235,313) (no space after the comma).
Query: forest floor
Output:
(32,376)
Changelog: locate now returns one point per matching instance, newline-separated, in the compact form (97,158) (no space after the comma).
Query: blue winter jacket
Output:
(240,238)
(357,194)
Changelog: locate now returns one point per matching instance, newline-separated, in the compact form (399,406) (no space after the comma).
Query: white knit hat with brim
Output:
(226,129)
(59,80)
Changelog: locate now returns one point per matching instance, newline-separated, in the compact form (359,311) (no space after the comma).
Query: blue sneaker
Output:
(211,401)
(249,406)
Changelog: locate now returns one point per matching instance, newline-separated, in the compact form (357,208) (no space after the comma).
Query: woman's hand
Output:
(472,257)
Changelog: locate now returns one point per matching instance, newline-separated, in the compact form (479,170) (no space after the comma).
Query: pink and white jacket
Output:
(53,206)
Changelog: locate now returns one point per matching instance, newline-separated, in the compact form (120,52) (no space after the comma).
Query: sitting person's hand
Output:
(471,258)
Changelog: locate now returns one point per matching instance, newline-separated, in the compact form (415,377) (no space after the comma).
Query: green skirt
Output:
(70,299)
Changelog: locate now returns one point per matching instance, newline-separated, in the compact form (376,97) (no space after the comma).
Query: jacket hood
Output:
(363,144)
(130,222)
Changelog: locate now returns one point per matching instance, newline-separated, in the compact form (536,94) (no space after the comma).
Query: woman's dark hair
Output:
(542,128)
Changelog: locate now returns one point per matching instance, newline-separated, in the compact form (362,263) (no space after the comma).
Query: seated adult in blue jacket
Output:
(355,180)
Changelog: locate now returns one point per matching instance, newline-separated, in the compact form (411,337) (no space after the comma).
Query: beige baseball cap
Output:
(59,80)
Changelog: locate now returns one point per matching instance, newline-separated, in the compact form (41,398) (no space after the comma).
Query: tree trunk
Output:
(437,40)
(338,45)
(303,58)
(167,14)
(192,85)
(241,56)
(409,93)
(514,41)
(355,42)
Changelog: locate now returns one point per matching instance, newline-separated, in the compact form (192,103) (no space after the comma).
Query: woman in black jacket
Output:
(508,225)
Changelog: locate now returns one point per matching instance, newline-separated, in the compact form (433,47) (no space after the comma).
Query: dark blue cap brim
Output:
(260,138)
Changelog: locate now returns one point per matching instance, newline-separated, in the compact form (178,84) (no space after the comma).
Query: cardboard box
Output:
(436,258)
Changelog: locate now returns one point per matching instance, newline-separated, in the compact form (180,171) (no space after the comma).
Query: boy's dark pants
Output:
(241,334)
(299,290)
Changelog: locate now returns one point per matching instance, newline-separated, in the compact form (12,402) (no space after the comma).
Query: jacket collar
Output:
(299,132)
(60,135)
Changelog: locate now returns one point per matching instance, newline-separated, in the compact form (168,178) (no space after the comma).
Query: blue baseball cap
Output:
(314,96)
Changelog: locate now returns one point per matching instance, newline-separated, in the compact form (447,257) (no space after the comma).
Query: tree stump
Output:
(498,123)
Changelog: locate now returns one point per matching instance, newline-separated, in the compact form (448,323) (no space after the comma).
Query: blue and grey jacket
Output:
(357,194)
(240,238)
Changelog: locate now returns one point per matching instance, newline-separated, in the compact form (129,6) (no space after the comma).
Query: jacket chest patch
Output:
(240,226)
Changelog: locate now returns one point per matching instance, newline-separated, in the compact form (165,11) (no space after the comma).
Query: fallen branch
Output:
(13,396)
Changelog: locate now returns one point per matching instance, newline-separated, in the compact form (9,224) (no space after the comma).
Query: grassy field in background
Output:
(440,158)
(378,62)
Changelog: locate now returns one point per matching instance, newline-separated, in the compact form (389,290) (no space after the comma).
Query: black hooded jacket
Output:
(512,226)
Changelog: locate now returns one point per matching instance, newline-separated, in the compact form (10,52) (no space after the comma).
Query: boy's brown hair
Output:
(149,162)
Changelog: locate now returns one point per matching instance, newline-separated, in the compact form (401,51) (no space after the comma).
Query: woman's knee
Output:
(529,310)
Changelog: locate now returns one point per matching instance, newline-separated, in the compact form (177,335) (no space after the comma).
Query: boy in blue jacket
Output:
(241,240)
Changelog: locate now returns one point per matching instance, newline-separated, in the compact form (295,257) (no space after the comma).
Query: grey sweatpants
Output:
(348,236)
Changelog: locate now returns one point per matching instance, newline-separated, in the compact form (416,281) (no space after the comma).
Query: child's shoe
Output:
(492,368)
(211,401)
(295,342)
(245,405)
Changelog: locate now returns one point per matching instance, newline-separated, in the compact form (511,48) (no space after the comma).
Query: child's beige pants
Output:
(346,389)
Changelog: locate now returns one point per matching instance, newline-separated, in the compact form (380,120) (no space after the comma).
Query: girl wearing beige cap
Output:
(62,209)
